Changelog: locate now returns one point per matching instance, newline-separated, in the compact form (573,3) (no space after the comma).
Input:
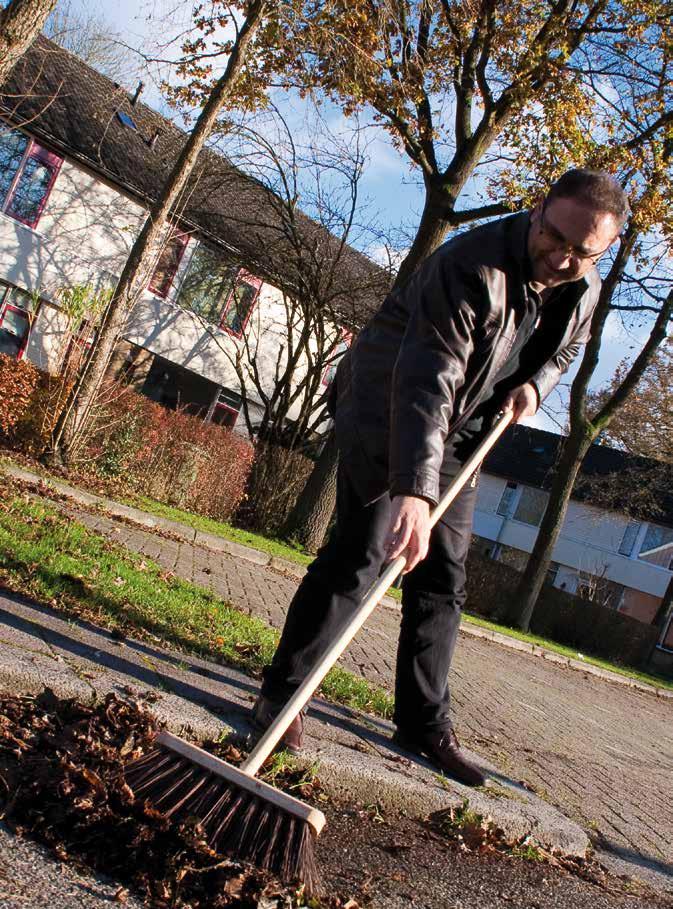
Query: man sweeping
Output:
(490,321)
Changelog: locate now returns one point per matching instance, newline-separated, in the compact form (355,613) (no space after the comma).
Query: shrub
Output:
(277,477)
(170,455)
(18,381)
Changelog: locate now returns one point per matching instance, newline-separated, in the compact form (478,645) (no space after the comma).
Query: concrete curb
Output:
(291,569)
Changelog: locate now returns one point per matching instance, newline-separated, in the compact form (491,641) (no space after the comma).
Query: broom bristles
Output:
(234,820)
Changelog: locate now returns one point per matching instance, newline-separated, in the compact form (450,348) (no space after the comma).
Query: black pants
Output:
(432,597)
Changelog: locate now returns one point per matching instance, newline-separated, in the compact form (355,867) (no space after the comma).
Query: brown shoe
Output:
(265,711)
(442,749)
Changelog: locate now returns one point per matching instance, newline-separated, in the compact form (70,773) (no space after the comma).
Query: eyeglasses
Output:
(577,256)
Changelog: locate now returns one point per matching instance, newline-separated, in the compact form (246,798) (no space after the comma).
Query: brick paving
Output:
(601,752)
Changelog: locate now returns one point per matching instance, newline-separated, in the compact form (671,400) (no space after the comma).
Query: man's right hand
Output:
(409,531)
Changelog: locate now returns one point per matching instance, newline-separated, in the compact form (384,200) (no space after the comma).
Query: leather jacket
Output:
(425,361)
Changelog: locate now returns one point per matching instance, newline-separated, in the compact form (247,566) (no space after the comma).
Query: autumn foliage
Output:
(18,381)
(134,444)
(171,455)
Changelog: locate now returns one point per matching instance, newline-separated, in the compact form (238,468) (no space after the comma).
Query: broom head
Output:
(238,814)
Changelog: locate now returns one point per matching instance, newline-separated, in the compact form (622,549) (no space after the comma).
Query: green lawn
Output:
(61,563)
(562,649)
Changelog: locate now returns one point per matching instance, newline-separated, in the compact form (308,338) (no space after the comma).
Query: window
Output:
(27,174)
(227,407)
(15,315)
(207,285)
(217,291)
(505,506)
(81,343)
(657,538)
(125,120)
(168,263)
(531,506)
(337,353)
(240,303)
(552,573)
(629,538)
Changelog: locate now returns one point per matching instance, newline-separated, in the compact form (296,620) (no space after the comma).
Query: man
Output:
(491,320)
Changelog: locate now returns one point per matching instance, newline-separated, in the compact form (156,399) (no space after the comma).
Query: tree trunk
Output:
(21,21)
(520,610)
(663,612)
(308,521)
(434,225)
(137,270)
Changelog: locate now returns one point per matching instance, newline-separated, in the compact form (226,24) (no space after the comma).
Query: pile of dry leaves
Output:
(61,782)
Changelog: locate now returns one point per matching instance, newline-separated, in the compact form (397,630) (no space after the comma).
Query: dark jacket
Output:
(425,361)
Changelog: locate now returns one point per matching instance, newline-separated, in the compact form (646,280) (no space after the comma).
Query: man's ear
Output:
(536,211)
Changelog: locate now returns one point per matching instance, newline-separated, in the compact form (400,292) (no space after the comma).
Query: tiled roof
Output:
(609,478)
(74,109)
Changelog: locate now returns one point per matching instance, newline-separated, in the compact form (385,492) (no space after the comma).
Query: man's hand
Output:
(523,401)
(409,531)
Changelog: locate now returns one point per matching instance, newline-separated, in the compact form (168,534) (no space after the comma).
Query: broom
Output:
(237,813)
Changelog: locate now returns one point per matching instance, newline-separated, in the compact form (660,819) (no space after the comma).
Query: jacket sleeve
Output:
(547,378)
(447,307)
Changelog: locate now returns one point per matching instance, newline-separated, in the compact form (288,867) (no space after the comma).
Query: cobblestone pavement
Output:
(601,752)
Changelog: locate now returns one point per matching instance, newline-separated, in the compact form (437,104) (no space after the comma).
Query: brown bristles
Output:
(234,821)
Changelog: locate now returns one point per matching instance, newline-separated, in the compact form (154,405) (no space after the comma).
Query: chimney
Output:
(141,86)
(155,138)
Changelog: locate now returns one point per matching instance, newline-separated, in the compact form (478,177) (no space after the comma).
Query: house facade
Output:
(622,561)
(80,163)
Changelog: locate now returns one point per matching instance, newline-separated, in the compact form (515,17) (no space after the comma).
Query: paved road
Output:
(601,752)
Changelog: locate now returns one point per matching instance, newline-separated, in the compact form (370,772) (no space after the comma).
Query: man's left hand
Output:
(523,401)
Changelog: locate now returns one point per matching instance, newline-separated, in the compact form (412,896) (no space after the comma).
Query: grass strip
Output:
(270,545)
(571,653)
(60,562)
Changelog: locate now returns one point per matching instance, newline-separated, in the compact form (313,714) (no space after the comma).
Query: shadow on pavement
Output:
(634,858)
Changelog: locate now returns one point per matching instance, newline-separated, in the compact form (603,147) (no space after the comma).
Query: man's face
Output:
(566,239)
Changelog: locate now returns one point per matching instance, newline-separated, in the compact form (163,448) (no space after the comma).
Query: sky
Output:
(389,186)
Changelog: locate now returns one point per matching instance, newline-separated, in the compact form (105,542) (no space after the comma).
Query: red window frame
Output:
(4,307)
(53,161)
(347,339)
(182,239)
(232,415)
(243,277)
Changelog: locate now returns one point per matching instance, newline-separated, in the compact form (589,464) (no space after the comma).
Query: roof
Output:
(609,478)
(74,109)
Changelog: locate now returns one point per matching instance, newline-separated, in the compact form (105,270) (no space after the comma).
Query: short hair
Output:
(594,188)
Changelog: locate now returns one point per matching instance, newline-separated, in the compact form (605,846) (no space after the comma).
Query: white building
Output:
(79,161)
(624,562)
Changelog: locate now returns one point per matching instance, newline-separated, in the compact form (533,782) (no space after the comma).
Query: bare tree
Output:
(20,23)
(285,353)
(138,266)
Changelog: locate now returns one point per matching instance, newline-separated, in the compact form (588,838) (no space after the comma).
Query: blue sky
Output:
(389,185)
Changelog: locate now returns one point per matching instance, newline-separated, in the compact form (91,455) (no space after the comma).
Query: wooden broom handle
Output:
(375,593)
